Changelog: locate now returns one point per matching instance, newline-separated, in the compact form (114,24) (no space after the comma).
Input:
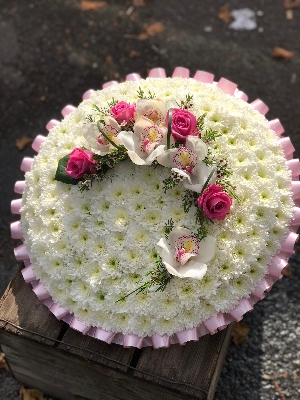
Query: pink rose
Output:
(184,124)
(81,162)
(123,112)
(215,202)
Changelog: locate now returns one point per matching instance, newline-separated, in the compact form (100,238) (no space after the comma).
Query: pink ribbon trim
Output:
(133,77)
(41,292)
(16,230)
(295,188)
(241,309)
(260,106)
(181,72)
(58,311)
(286,145)
(86,95)
(67,110)
(227,86)
(38,141)
(132,341)
(21,253)
(276,266)
(106,336)
(28,274)
(157,73)
(296,219)
(19,187)
(203,76)
(108,84)
(159,341)
(238,94)
(294,166)
(79,325)
(51,124)
(288,245)
(276,126)
(15,206)
(26,164)
(187,335)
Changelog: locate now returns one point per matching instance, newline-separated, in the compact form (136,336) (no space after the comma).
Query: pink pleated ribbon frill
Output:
(212,324)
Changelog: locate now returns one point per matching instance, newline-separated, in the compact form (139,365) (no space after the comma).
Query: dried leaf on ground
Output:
(139,3)
(3,364)
(266,377)
(31,394)
(86,5)
(287,271)
(240,331)
(23,142)
(291,3)
(109,59)
(224,14)
(149,30)
(281,53)
(134,53)
(289,15)
(279,391)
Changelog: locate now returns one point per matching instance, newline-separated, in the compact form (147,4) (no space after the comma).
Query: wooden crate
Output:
(46,354)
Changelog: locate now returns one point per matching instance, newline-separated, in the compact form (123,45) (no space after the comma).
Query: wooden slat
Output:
(85,346)
(69,377)
(191,369)
(20,306)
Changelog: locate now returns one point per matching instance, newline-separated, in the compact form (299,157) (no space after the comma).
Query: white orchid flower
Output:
(145,143)
(153,109)
(184,255)
(186,161)
(98,144)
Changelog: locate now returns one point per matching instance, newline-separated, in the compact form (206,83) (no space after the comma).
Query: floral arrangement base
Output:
(162,142)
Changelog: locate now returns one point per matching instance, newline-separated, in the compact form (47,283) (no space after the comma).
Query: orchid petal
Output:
(182,173)
(197,145)
(166,158)
(111,121)
(90,132)
(207,250)
(193,269)
(155,153)
(128,139)
(172,270)
(145,105)
(167,255)
(136,159)
(141,124)
(176,233)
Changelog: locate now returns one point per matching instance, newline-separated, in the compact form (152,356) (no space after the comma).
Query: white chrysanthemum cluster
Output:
(91,248)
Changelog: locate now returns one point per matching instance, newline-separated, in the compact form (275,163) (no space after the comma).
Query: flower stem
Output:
(169,128)
(207,181)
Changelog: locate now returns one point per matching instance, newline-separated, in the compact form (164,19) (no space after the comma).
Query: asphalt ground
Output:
(52,52)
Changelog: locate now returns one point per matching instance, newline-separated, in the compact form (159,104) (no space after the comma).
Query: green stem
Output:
(207,181)
(107,138)
(169,128)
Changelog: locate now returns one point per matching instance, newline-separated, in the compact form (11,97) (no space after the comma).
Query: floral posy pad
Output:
(156,205)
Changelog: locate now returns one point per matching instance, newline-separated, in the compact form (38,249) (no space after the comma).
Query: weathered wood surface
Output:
(43,353)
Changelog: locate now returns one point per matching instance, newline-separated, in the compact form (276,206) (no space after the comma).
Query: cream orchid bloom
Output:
(145,143)
(186,161)
(98,144)
(153,109)
(184,255)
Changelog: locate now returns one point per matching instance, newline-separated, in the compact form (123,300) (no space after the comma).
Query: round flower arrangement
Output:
(156,205)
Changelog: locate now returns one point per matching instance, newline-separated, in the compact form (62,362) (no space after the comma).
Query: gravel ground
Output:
(52,52)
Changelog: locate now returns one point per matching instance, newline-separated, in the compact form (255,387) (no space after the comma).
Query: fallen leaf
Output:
(224,14)
(86,5)
(291,3)
(23,142)
(289,15)
(279,391)
(154,29)
(134,53)
(284,375)
(266,376)
(30,394)
(287,271)
(240,331)
(109,60)
(281,53)
(149,30)
(139,3)
(3,364)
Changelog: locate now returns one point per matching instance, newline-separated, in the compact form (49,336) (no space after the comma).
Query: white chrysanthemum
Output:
(91,249)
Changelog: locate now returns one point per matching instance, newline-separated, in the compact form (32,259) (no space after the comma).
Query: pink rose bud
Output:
(184,124)
(123,112)
(215,202)
(80,163)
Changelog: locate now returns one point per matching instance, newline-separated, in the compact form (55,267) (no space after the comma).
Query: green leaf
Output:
(61,174)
